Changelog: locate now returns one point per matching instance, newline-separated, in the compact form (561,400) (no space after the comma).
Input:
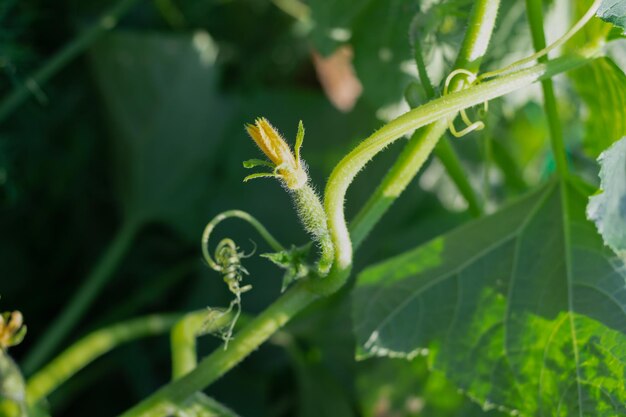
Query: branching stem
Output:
(347,169)
(90,348)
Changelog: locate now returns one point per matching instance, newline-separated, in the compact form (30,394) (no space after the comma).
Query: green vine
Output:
(302,295)
(289,169)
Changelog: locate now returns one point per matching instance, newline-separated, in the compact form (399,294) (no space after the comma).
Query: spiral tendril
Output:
(226,260)
(470,80)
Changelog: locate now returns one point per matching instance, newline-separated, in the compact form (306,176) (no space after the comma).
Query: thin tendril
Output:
(265,234)
(471,126)
(559,42)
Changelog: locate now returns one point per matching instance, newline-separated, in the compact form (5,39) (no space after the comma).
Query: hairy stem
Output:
(82,299)
(168,398)
(421,144)
(184,335)
(313,218)
(90,348)
(444,107)
(535,18)
(105,23)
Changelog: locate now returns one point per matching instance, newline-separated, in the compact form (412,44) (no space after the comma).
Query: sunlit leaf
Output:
(524,309)
(605,121)
(608,209)
(400,388)
(166,119)
(613,11)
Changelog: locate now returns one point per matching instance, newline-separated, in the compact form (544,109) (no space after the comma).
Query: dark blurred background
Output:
(144,131)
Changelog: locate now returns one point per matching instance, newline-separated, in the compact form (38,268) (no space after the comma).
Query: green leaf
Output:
(293,261)
(378,30)
(608,209)
(252,163)
(165,118)
(602,86)
(401,388)
(524,309)
(613,11)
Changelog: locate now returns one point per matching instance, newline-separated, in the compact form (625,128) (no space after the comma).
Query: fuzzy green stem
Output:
(104,24)
(82,299)
(313,218)
(423,141)
(444,107)
(90,348)
(444,150)
(535,18)
(168,398)
(184,335)
(410,160)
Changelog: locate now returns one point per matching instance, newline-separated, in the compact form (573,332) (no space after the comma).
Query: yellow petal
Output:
(277,150)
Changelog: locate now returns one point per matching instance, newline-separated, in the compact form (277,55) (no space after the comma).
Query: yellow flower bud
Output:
(12,329)
(287,166)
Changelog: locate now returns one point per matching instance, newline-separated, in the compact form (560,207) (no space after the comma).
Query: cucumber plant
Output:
(523,308)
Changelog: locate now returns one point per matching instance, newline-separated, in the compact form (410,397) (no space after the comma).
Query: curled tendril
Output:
(227,261)
(470,80)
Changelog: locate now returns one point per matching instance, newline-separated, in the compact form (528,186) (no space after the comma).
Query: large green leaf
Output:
(608,209)
(524,309)
(165,118)
(613,11)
